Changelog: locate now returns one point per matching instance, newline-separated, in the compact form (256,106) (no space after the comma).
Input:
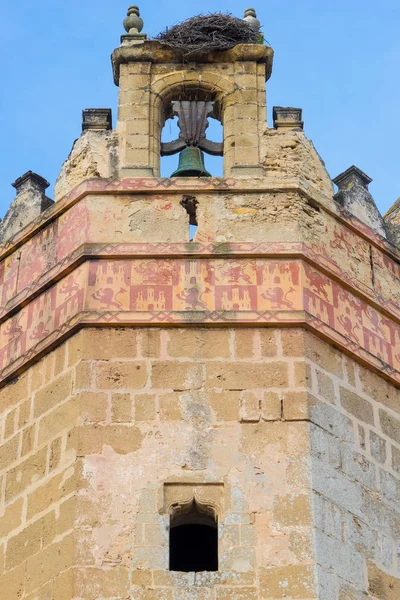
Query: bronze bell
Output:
(191,163)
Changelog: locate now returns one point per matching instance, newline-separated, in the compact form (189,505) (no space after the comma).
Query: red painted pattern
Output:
(205,290)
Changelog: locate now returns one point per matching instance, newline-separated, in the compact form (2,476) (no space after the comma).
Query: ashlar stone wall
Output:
(355,474)
(295,446)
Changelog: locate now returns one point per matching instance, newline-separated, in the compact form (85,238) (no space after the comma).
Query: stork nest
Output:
(206,33)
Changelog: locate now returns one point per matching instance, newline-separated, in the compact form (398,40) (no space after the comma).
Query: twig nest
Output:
(206,33)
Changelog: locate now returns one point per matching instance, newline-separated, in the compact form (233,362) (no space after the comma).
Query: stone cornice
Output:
(154,51)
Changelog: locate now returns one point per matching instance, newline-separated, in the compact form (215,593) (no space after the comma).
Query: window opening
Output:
(193,540)
(190,203)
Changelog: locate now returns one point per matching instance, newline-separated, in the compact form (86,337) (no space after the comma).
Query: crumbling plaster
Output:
(94,154)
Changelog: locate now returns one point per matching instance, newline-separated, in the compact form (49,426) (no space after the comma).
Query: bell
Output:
(191,163)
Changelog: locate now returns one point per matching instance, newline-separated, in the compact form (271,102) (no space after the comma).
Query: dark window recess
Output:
(193,541)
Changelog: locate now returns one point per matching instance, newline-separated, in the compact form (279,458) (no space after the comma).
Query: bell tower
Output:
(154,77)
(198,420)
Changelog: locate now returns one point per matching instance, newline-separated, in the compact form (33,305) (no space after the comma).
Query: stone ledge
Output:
(155,52)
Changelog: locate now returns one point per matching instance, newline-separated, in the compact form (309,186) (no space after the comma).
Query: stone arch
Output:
(164,88)
(212,82)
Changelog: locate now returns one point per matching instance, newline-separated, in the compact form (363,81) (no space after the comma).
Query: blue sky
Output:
(339,61)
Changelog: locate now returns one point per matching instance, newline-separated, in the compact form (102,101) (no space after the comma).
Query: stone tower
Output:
(198,420)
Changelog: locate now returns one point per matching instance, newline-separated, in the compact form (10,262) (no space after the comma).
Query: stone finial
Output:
(30,181)
(133,24)
(352,176)
(287,117)
(250,16)
(30,201)
(354,196)
(97,118)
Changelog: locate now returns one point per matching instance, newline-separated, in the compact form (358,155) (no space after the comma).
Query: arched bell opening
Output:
(193,539)
(192,132)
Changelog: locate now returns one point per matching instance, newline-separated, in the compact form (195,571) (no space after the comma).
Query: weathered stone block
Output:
(326,387)
(171,407)
(328,517)
(176,375)
(13,583)
(244,343)
(292,510)
(241,376)
(102,344)
(340,559)
(149,343)
(12,517)
(83,376)
(14,392)
(198,344)
(390,425)
(225,404)
(120,375)
(381,584)
(325,446)
(26,473)
(27,543)
(358,468)
(295,406)
(357,406)
(121,408)
(390,487)
(378,447)
(396,459)
(52,394)
(250,410)
(145,407)
(330,419)
(52,490)
(271,406)
(279,582)
(91,439)
(9,452)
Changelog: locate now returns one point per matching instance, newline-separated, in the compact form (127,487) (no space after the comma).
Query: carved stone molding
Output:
(179,497)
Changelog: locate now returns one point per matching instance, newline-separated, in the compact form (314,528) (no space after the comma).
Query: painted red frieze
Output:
(199,290)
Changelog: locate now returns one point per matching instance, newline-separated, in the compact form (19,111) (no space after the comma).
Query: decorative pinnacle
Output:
(352,176)
(133,23)
(250,16)
(30,180)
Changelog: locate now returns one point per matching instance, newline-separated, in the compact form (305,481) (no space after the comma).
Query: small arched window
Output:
(193,539)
